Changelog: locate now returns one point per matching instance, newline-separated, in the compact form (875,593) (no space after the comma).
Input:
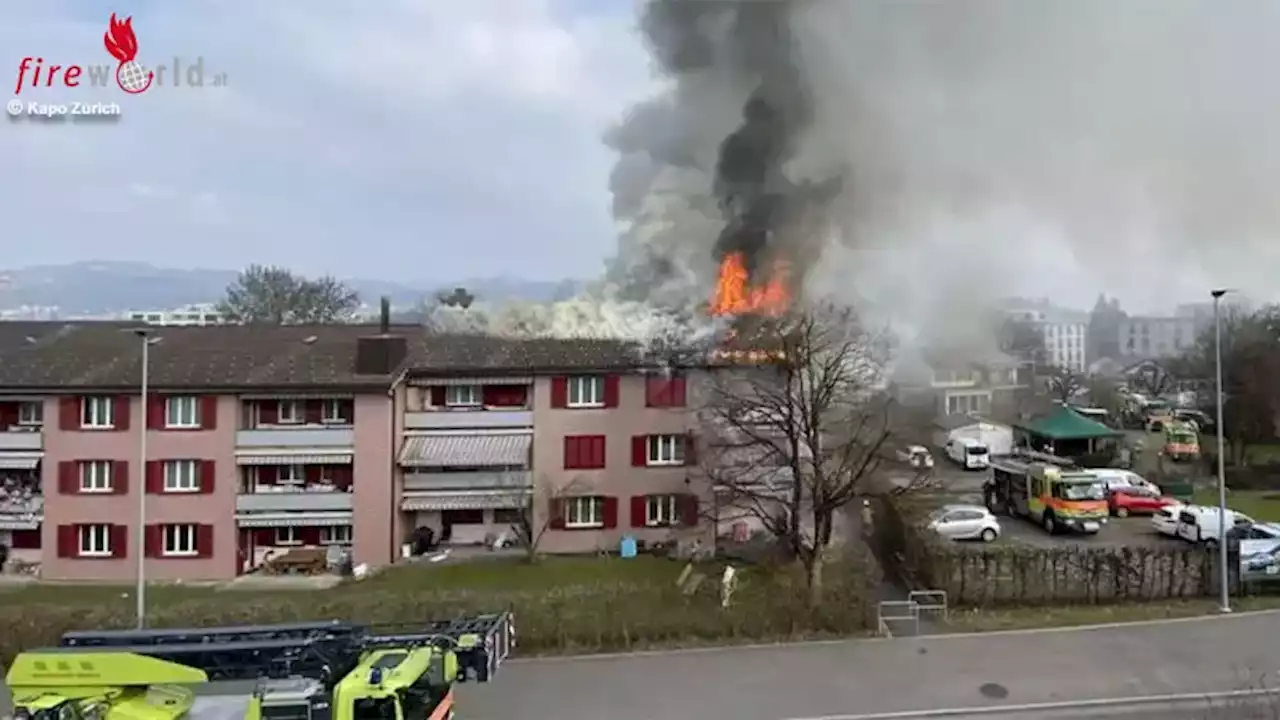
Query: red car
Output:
(1125,501)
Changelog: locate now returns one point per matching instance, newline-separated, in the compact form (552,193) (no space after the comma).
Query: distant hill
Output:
(92,288)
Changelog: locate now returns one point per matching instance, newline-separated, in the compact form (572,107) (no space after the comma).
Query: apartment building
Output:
(967,383)
(576,431)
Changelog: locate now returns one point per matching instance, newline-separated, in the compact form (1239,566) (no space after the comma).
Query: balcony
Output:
(294,501)
(479,480)
(22,439)
(468,419)
(21,511)
(299,436)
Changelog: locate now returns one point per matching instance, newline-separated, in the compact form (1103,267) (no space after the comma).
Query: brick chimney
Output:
(381,354)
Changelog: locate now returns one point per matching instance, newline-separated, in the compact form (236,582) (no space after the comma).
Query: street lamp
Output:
(140,592)
(1225,606)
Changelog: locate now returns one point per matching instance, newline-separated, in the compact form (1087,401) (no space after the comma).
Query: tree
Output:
(1064,384)
(274,295)
(796,428)
(1023,340)
(530,524)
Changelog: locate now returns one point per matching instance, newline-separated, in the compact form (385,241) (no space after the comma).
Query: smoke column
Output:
(970,150)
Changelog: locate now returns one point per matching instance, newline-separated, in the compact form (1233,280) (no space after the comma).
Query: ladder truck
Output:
(296,671)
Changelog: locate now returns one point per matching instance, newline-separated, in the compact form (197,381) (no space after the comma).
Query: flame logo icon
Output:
(123,46)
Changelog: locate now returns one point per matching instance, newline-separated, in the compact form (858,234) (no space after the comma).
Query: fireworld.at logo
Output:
(127,74)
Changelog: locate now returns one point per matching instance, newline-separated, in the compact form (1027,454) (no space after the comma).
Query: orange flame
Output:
(735,296)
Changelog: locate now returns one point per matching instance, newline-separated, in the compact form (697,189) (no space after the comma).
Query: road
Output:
(844,679)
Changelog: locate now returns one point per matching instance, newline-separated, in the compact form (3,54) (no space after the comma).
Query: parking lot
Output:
(1130,531)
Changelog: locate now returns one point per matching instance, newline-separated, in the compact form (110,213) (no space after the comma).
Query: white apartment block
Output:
(202,314)
(1064,344)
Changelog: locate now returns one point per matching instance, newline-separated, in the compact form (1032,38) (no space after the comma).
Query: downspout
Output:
(395,440)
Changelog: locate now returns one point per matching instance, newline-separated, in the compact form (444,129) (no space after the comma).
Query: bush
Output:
(589,612)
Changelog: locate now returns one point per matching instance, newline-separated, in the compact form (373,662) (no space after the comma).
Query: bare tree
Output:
(796,423)
(531,523)
(1064,384)
(275,295)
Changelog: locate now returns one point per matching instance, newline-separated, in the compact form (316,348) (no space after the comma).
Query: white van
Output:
(1199,523)
(969,453)
(1113,478)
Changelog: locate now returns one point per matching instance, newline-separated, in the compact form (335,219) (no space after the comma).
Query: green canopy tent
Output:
(1066,432)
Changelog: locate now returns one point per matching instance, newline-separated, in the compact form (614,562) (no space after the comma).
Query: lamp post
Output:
(1225,605)
(140,592)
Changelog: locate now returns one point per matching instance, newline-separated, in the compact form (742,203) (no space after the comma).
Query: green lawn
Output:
(1261,505)
(1047,617)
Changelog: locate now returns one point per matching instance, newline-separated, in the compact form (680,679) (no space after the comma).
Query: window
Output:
(182,411)
(291,475)
(95,540)
(586,391)
(331,412)
(95,476)
(584,512)
(461,396)
(584,452)
(179,540)
(288,411)
(336,535)
(661,510)
(181,476)
(287,536)
(97,412)
(31,413)
(666,450)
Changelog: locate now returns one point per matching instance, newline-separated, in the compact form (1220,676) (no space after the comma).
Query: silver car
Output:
(965,522)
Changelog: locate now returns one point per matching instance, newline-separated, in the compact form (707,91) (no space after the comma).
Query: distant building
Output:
(1065,332)
(1148,337)
(202,314)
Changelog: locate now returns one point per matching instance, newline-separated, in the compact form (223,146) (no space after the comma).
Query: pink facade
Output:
(375,510)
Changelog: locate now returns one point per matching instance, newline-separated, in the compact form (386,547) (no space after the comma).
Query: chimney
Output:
(384,316)
(381,354)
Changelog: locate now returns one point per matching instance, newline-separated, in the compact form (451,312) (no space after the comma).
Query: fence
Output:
(1017,575)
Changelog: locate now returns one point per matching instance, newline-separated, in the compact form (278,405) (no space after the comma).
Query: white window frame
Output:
(96,476)
(97,412)
(331,412)
(31,414)
(181,476)
(584,391)
(584,511)
(462,396)
(335,535)
(287,535)
(295,414)
(182,411)
(664,450)
(297,475)
(661,510)
(179,541)
(94,540)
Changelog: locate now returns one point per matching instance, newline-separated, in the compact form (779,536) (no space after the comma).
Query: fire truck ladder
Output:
(193,636)
(324,659)
(480,642)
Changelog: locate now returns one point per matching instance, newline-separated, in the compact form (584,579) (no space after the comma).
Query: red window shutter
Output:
(120,477)
(639,450)
(572,461)
(208,476)
(119,541)
(153,541)
(312,473)
(437,396)
(313,411)
(690,449)
(155,477)
(678,392)
(598,451)
(65,540)
(68,483)
(559,392)
(688,506)
(610,513)
(309,535)
(268,412)
(342,476)
(68,413)
(120,408)
(556,508)
(204,541)
(638,507)
(611,391)
(652,391)
(209,412)
(155,412)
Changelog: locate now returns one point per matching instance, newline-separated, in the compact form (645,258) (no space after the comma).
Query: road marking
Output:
(800,644)
(1098,704)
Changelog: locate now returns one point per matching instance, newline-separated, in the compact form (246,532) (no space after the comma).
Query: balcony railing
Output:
(479,480)
(22,438)
(477,419)
(298,436)
(293,500)
(21,506)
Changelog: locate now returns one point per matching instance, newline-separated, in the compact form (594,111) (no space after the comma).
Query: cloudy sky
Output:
(403,140)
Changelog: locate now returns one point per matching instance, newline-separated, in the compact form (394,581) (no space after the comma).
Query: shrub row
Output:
(610,615)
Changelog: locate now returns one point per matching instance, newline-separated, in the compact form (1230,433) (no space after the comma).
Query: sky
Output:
(399,140)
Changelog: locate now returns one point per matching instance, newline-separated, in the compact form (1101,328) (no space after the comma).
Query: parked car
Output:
(965,522)
(1255,531)
(1124,501)
(1199,523)
(918,456)
(1165,520)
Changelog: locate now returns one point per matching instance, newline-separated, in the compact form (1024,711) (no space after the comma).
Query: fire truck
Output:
(297,671)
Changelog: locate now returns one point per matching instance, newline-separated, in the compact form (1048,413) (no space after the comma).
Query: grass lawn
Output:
(1046,617)
(1261,505)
